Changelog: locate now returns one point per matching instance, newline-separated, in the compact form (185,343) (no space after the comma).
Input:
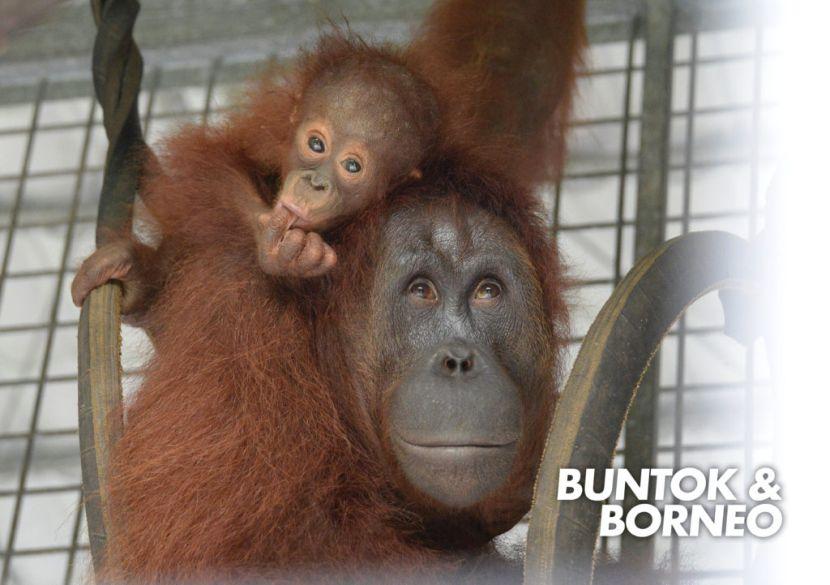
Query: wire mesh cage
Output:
(709,403)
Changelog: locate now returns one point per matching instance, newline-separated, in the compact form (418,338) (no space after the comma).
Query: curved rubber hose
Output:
(117,69)
(592,410)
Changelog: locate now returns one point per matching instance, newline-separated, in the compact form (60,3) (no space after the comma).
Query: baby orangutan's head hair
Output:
(345,60)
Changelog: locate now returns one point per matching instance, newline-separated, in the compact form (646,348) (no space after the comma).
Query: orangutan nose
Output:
(318,182)
(456,360)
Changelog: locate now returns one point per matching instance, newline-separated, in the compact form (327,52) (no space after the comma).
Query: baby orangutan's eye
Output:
(487,290)
(423,290)
(316,144)
(351,165)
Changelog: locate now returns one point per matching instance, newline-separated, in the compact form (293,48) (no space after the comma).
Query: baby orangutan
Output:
(354,122)
(358,135)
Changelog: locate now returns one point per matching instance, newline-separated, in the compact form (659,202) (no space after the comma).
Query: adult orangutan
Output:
(399,433)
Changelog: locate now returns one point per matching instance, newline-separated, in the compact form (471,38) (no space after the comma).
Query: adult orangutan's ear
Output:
(416,174)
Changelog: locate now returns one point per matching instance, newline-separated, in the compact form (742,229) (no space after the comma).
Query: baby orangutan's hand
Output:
(286,251)
(113,261)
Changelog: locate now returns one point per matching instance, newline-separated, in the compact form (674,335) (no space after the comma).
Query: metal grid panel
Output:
(50,167)
(714,395)
(711,391)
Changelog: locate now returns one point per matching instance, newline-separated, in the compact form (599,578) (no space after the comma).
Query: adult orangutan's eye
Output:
(423,290)
(351,165)
(316,144)
(487,290)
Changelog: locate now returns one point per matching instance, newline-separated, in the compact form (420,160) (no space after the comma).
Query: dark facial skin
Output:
(465,371)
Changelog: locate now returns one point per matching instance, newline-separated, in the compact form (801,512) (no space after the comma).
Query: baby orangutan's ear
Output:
(416,174)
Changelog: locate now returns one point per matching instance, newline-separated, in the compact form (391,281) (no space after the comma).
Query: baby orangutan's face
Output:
(353,140)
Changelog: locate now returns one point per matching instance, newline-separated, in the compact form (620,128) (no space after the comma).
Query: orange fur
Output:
(505,72)
(244,452)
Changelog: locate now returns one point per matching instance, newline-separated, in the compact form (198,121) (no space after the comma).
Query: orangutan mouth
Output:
(457,445)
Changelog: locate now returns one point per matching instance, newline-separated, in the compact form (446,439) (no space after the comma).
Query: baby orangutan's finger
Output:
(274,225)
(110,262)
(292,244)
(311,254)
(327,262)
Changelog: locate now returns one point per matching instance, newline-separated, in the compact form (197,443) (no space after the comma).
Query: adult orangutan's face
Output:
(466,364)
